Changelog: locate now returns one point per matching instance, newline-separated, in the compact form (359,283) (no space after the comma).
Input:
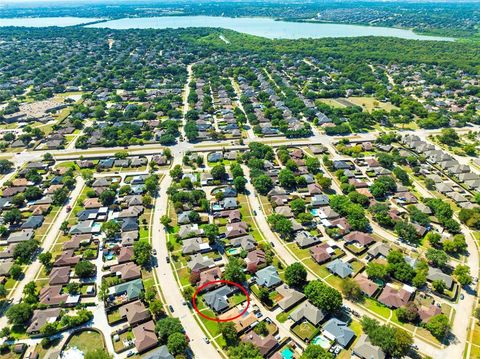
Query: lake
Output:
(46,21)
(264,27)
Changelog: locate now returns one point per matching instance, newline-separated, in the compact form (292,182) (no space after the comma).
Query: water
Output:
(46,21)
(264,27)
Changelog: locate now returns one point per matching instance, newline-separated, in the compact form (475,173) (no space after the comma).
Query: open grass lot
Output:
(377,307)
(370,104)
(474,352)
(305,330)
(86,340)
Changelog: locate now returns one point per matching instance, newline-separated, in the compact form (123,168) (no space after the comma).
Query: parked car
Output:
(171,308)
(154,252)
(168,259)
(205,339)
(272,244)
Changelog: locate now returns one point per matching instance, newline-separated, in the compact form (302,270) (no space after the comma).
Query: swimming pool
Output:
(315,212)
(322,341)
(287,353)
(233,251)
(108,256)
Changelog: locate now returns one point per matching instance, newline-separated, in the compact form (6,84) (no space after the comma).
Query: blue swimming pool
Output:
(315,212)
(287,353)
(322,341)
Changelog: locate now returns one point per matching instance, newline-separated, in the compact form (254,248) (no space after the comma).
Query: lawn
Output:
(304,330)
(86,340)
(376,307)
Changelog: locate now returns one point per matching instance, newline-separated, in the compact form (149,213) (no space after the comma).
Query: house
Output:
(67,258)
(59,276)
(125,255)
(285,211)
(130,290)
(198,263)
(7,253)
(52,296)
(247,243)
(84,227)
(20,236)
(5,267)
(314,189)
(427,312)
(42,317)
(189,230)
(304,239)
(255,259)
(159,353)
(437,274)
(320,200)
(134,312)
(127,271)
(321,253)
(394,297)
(236,229)
(339,331)
(307,311)
(217,299)
(209,275)
(215,157)
(77,240)
(364,349)
(380,251)
(195,245)
(33,222)
(145,337)
(265,345)
(290,297)
(342,269)
(359,239)
(268,277)
(367,286)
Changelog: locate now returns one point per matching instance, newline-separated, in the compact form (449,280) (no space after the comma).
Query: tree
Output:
(3,291)
(151,185)
(323,296)
(394,341)
(177,343)
(211,231)
(263,184)
(240,183)
(176,172)
(439,286)
(45,258)
(24,251)
(107,197)
(407,313)
(229,333)
(15,271)
(19,314)
(298,206)
(165,220)
(377,271)
(439,326)
(244,351)
(5,166)
(147,200)
(142,252)
(462,273)
(286,178)
(313,351)
(111,228)
(406,232)
(449,137)
(85,269)
(97,354)
(437,257)
(168,326)
(295,275)
(324,182)
(281,224)
(313,165)
(234,271)
(218,172)
(351,290)
(12,216)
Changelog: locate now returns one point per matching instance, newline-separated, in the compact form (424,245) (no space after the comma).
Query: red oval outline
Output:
(194,297)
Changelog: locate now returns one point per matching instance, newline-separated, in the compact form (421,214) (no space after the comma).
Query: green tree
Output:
(244,351)
(377,271)
(165,220)
(45,258)
(439,286)
(111,228)
(313,351)
(234,271)
(19,314)
(351,290)
(218,172)
(168,326)
(263,184)
(229,333)
(439,326)
(84,269)
(323,296)
(295,275)
(142,252)
(177,343)
(462,273)
(240,183)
